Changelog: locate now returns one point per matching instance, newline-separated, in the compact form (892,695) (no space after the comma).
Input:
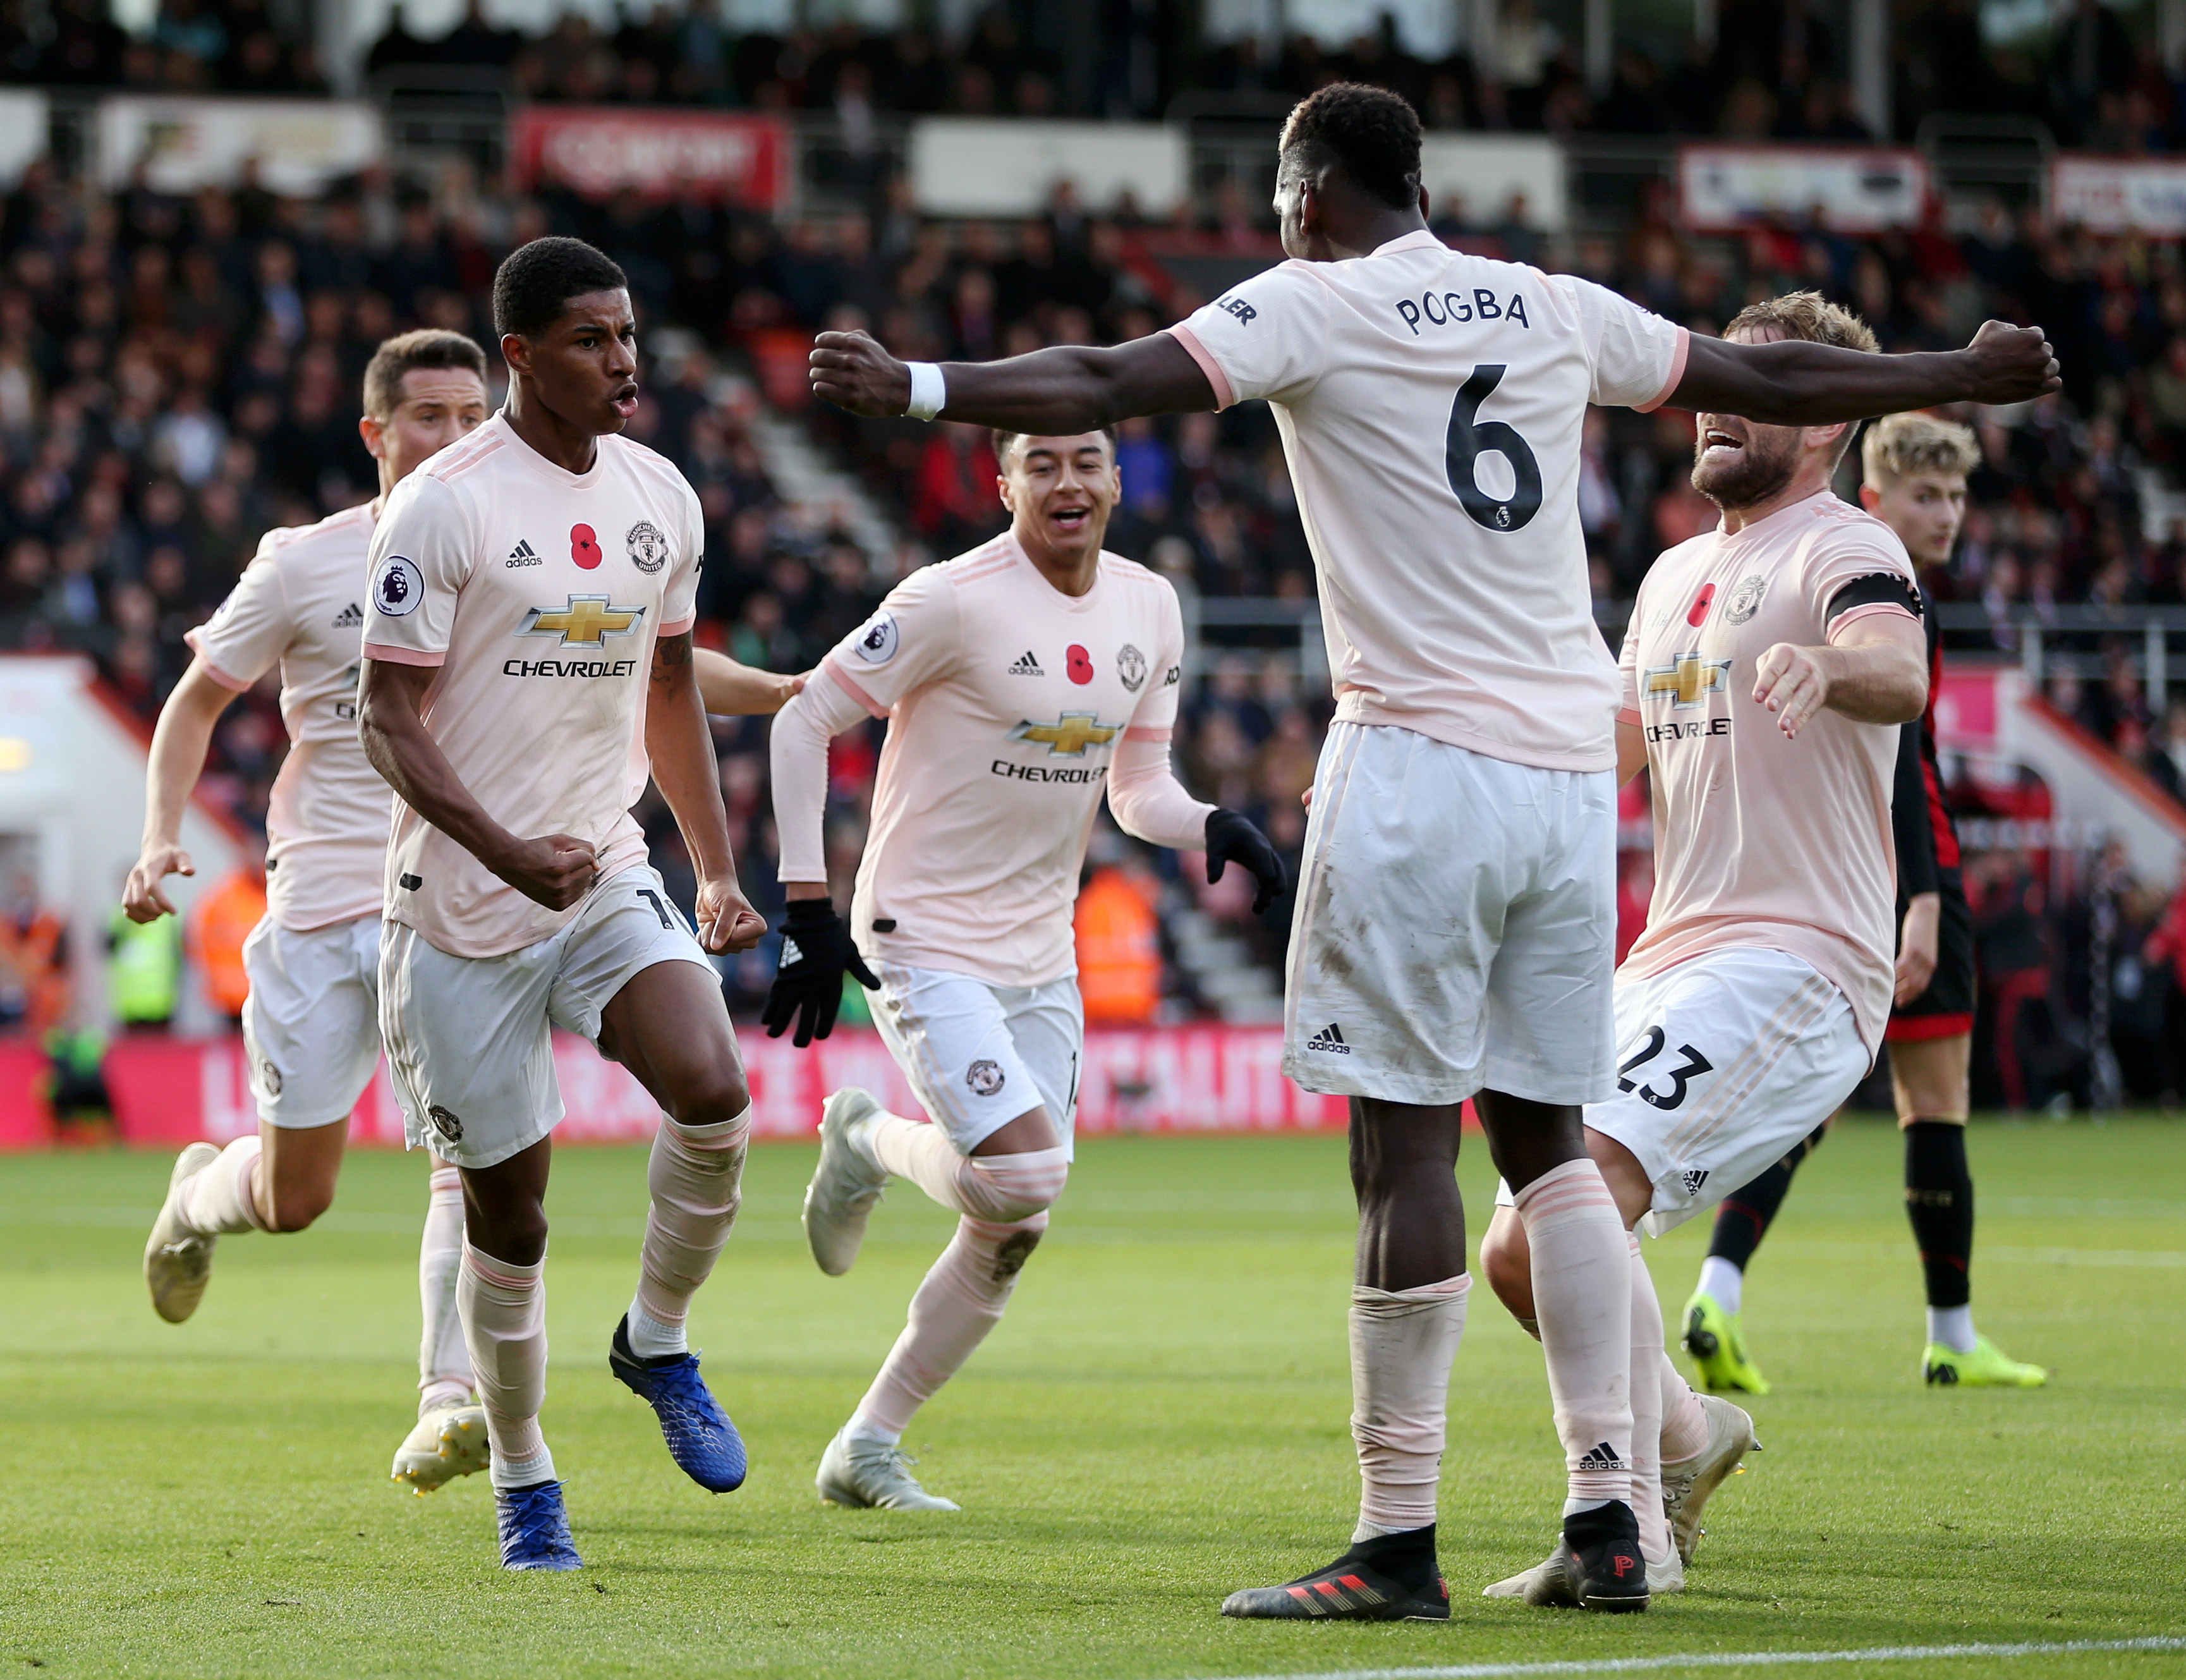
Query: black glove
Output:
(817,951)
(1231,839)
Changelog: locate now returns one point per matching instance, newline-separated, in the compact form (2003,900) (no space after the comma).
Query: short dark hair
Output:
(534,282)
(426,347)
(1371,135)
(1004,440)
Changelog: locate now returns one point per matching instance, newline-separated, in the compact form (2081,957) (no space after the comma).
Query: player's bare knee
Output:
(299,1209)
(713,1099)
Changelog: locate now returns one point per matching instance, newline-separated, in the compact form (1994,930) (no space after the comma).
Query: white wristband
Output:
(928,391)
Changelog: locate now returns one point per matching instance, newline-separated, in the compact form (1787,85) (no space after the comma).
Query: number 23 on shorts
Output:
(1680,1077)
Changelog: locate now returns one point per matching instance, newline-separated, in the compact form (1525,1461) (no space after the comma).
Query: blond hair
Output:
(1898,446)
(1809,316)
(426,347)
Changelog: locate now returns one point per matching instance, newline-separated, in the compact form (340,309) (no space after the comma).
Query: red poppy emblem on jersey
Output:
(1080,664)
(583,546)
(1701,602)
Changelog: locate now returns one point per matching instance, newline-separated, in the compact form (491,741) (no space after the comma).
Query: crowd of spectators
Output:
(1775,70)
(176,375)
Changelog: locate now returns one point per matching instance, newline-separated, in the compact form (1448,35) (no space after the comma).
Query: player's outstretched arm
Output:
(1053,393)
(1877,674)
(681,749)
(1796,383)
(180,741)
(730,689)
(555,870)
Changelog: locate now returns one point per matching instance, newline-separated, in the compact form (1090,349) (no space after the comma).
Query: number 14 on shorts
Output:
(1680,1077)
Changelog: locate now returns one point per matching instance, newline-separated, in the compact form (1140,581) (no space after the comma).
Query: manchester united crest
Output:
(1131,666)
(648,548)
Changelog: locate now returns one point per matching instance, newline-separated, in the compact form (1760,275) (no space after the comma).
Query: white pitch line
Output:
(1493,1670)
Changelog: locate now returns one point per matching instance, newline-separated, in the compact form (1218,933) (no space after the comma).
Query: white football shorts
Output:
(1456,925)
(469,1043)
(978,1055)
(1725,1062)
(311,1022)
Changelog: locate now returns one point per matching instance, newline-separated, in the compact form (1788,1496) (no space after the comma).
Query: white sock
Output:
(1582,1265)
(696,1177)
(863,1427)
(504,1311)
(444,1359)
(1725,1282)
(650,1338)
(222,1200)
(1952,1327)
(1403,1344)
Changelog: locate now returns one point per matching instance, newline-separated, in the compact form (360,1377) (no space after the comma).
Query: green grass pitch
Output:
(1160,1418)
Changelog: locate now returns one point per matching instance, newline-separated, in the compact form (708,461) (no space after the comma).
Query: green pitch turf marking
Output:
(1160,1418)
(1499,1670)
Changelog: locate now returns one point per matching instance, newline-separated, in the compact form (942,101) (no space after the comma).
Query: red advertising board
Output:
(168,1091)
(597,149)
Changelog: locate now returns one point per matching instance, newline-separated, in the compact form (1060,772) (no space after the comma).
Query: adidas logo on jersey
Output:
(1331,1039)
(350,617)
(1693,1177)
(1027,666)
(1600,1457)
(523,554)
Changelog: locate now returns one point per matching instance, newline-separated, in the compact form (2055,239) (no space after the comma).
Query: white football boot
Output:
(1546,1586)
(447,1441)
(177,1260)
(1687,1487)
(869,1474)
(847,1182)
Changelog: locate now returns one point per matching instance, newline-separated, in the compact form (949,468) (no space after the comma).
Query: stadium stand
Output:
(179,372)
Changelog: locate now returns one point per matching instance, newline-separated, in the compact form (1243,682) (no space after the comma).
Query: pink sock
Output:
(1402,1343)
(696,1177)
(504,1312)
(1684,1420)
(1655,1543)
(444,1361)
(1583,1299)
(995,1189)
(961,1301)
(222,1199)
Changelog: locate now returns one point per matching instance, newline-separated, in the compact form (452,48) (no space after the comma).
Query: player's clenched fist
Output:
(1791,683)
(2012,364)
(726,921)
(141,896)
(555,870)
(852,371)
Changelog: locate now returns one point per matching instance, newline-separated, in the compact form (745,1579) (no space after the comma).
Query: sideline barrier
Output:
(168,1091)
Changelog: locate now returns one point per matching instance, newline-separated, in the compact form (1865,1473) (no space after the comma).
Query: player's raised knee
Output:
(1508,1265)
(714,1097)
(1008,1189)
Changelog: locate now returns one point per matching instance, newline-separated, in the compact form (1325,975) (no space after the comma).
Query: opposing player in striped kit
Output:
(1020,682)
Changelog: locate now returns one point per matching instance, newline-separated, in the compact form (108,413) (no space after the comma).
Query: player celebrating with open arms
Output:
(1456,922)
(1020,682)
(528,650)
(1767,668)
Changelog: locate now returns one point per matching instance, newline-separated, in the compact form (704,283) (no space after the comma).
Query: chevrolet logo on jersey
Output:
(1687,678)
(586,622)
(1069,735)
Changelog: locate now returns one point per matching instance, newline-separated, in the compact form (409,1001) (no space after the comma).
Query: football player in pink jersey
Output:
(1768,667)
(1915,469)
(1020,682)
(1455,924)
(528,660)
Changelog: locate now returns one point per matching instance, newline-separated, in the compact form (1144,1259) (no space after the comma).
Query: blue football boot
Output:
(700,1437)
